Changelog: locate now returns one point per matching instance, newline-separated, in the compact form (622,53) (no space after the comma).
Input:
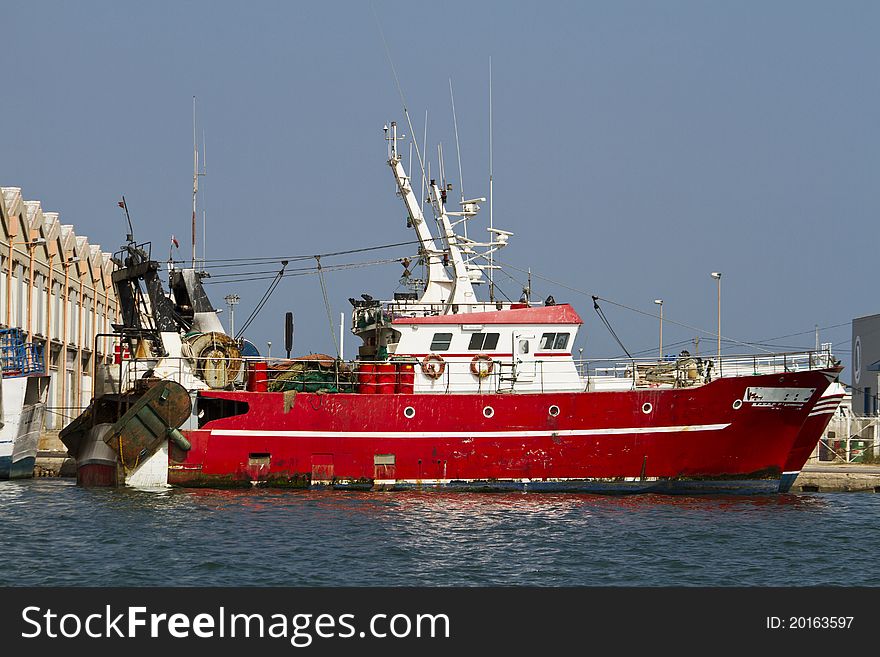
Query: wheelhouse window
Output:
(555,340)
(483,341)
(441,342)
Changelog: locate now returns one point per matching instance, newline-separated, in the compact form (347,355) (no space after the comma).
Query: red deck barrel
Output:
(258,377)
(406,378)
(386,378)
(367,378)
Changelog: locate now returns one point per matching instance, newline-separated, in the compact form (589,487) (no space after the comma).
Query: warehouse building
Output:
(56,288)
(865,364)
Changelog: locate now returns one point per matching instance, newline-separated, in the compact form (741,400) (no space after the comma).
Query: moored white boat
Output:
(23,392)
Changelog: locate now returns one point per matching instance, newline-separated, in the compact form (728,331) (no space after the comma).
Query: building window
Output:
(72,317)
(868,406)
(481,341)
(3,300)
(441,341)
(56,311)
(39,302)
(554,340)
(87,323)
(23,317)
(13,298)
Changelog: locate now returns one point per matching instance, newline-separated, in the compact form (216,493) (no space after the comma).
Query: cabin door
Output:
(524,357)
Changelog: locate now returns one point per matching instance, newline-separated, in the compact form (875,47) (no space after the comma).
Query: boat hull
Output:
(810,434)
(734,435)
(24,405)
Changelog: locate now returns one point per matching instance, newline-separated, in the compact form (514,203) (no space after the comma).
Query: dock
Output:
(838,478)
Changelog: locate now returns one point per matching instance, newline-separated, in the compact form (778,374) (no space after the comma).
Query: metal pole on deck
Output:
(717,276)
(659,302)
(341,335)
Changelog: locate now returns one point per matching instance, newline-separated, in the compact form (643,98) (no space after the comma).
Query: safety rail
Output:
(18,356)
(404,375)
(686,370)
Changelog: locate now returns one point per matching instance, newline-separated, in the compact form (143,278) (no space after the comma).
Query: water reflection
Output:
(329,538)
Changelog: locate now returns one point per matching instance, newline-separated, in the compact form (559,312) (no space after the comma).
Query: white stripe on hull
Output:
(469,434)
(827,402)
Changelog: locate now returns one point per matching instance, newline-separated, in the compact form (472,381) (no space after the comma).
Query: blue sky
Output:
(638,146)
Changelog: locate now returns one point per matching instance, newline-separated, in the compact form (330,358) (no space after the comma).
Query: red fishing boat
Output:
(447,391)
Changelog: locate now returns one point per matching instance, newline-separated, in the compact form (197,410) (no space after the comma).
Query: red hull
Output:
(811,431)
(692,434)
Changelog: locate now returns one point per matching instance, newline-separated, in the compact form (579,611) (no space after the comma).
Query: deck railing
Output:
(325,373)
(18,356)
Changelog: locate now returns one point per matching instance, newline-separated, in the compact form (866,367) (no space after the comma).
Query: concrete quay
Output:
(52,457)
(838,478)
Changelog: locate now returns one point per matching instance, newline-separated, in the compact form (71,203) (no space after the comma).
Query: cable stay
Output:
(263,300)
(607,324)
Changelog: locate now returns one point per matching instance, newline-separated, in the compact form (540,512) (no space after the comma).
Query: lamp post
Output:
(659,302)
(231,300)
(717,276)
(268,349)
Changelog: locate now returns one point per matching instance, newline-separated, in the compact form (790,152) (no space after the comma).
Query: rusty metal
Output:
(153,418)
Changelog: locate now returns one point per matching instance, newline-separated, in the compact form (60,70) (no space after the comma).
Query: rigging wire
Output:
(636,310)
(412,131)
(327,306)
(263,300)
(605,321)
(295,258)
(302,271)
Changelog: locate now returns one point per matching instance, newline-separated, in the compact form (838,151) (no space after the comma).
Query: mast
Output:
(438,288)
(491,196)
(196,174)
(195,184)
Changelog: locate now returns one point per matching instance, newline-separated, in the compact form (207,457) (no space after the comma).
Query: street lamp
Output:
(231,300)
(659,302)
(717,276)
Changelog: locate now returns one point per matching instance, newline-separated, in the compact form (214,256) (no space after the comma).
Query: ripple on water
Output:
(54,533)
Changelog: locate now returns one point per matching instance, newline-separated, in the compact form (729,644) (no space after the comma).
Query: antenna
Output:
(195,184)
(402,98)
(409,164)
(424,157)
(204,212)
(196,175)
(491,217)
(458,151)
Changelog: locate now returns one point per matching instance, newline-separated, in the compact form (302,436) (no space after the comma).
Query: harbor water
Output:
(57,534)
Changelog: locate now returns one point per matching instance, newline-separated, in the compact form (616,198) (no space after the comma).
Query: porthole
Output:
(647,408)
(738,404)
(554,410)
(409,412)
(488,411)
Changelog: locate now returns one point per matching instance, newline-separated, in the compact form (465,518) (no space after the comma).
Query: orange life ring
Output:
(484,370)
(433,366)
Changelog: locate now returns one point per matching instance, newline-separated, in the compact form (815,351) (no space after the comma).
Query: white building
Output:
(57,288)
